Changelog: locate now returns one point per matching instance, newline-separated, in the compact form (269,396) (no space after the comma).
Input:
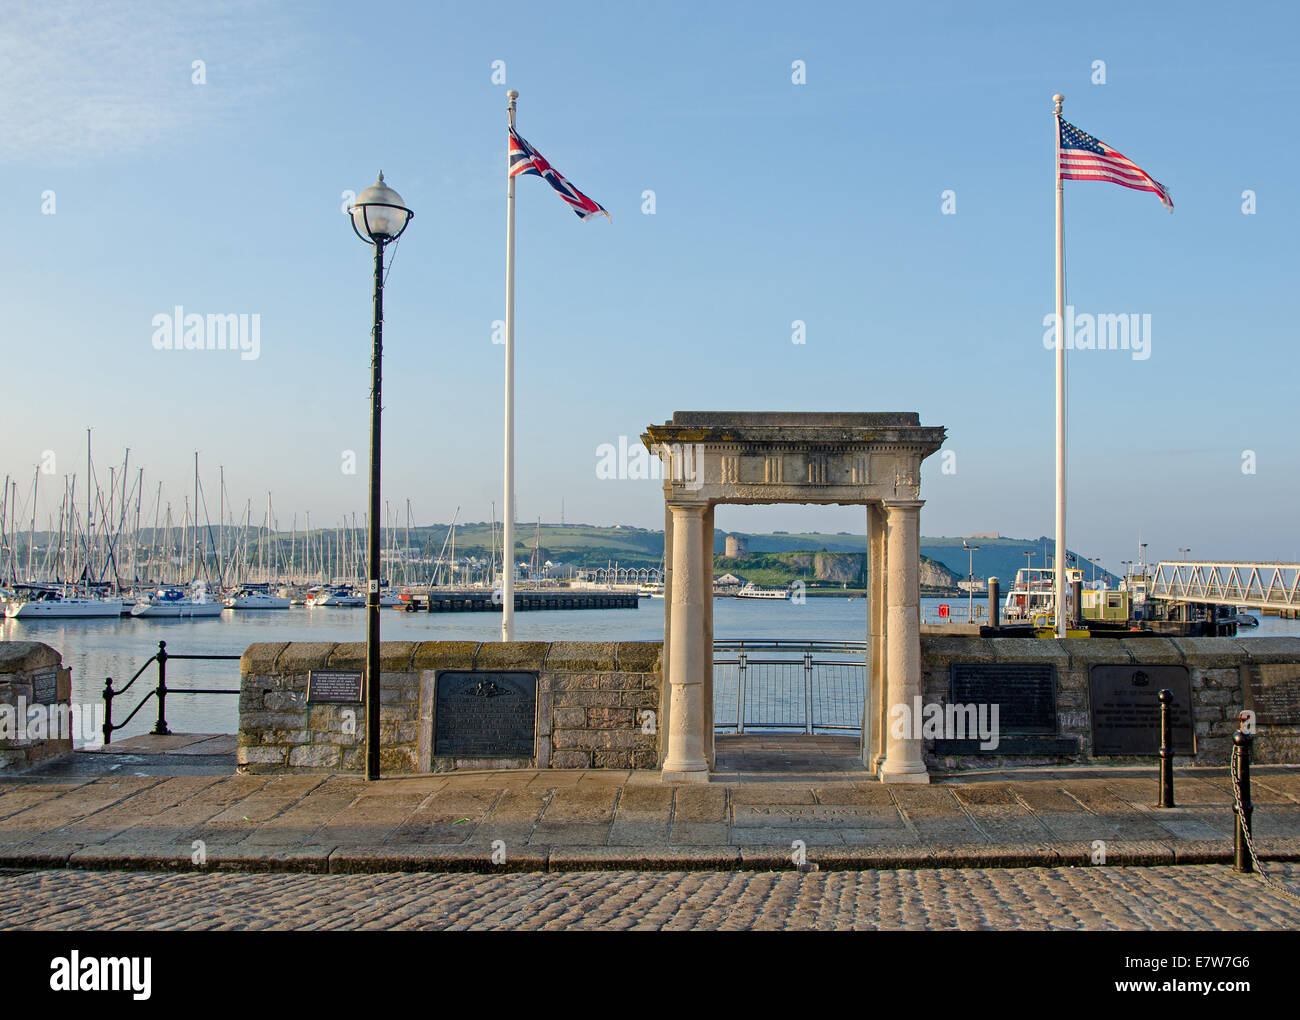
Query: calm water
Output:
(96,649)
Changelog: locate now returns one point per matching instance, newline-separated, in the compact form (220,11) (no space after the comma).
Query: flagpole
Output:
(508,534)
(1061,561)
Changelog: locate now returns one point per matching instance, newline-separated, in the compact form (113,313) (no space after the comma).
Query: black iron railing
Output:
(160,692)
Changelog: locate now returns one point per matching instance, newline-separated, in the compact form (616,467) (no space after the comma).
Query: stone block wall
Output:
(590,700)
(23,742)
(1220,671)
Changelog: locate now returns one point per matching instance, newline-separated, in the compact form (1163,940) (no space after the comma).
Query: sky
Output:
(136,180)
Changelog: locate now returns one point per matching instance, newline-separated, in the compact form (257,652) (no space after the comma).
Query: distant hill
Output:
(822,569)
(996,557)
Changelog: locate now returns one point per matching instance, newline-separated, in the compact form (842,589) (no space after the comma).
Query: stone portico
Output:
(870,459)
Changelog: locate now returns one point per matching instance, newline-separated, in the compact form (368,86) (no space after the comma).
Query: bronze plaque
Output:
(334,686)
(45,686)
(485,714)
(1273,694)
(1025,693)
(1125,708)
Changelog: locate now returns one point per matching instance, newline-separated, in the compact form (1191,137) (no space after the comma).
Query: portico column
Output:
(877,707)
(903,759)
(706,553)
(692,583)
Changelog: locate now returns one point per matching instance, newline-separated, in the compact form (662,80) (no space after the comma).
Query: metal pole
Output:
(808,691)
(508,534)
(1166,748)
(1242,808)
(108,711)
(372,578)
(160,727)
(740,694)
(1060,576)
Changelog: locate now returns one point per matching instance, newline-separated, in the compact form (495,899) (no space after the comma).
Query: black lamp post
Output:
(378,217)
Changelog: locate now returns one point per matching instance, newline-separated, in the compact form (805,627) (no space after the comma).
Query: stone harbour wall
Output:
(1221,673)
(23,743)
(591,700)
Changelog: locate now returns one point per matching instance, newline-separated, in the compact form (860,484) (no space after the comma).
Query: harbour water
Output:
(96,649)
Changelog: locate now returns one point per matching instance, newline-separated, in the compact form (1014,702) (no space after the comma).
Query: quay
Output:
(483,601)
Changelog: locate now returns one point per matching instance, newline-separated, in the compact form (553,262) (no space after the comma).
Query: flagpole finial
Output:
(1058,99)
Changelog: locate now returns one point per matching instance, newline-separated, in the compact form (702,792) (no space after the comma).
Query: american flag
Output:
(1083,158)
(524,159)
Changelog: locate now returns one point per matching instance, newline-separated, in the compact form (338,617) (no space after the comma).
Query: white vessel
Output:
(753,591)
(257,600)
(337,597)
(44,604)
(174,603)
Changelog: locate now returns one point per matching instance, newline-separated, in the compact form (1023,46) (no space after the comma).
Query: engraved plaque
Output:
(485,714)
(1273,694)
(1125,709)
(1025,693)
(334,686)
(45,686)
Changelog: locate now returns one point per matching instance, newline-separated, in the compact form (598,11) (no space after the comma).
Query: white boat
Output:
(337,597)
(257,600)
(174,603)
(45,604)
(753,591)
(651,591)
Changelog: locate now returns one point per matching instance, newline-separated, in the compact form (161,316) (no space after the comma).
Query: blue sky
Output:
(774,202)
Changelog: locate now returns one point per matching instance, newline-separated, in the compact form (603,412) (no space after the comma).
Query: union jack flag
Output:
(1083,158)
(524,159)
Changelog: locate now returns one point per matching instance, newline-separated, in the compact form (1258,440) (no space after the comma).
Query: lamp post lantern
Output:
(379,217)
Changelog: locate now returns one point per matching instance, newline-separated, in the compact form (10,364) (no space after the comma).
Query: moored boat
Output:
(176,603)
(49,604)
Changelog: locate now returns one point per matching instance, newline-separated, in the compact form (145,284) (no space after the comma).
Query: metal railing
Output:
(161,657)
(807,686)
(957,611)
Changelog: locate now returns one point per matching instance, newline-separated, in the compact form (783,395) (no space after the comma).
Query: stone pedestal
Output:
(35,705)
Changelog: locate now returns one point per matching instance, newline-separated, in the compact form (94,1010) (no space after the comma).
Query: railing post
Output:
(1241,808)
(160,728)
(808,692)
(108,711)
(740,695)
(1166,748)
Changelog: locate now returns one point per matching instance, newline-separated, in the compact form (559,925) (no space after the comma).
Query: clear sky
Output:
(774,202)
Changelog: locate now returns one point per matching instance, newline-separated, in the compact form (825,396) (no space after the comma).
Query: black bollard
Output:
(1166,748)
(1243,810)
(994,609)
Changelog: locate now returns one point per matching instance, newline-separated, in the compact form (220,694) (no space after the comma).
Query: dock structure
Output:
(484,601)
(1272,587)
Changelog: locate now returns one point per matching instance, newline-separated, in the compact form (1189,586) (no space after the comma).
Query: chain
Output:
(1233,770)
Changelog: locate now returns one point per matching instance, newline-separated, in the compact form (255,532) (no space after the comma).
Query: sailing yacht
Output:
(245,599)
(48,604)
(175,603)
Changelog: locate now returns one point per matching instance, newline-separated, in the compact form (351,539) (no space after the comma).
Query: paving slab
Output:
(828,809)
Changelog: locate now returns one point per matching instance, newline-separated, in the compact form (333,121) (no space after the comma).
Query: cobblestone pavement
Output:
(1210,897)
